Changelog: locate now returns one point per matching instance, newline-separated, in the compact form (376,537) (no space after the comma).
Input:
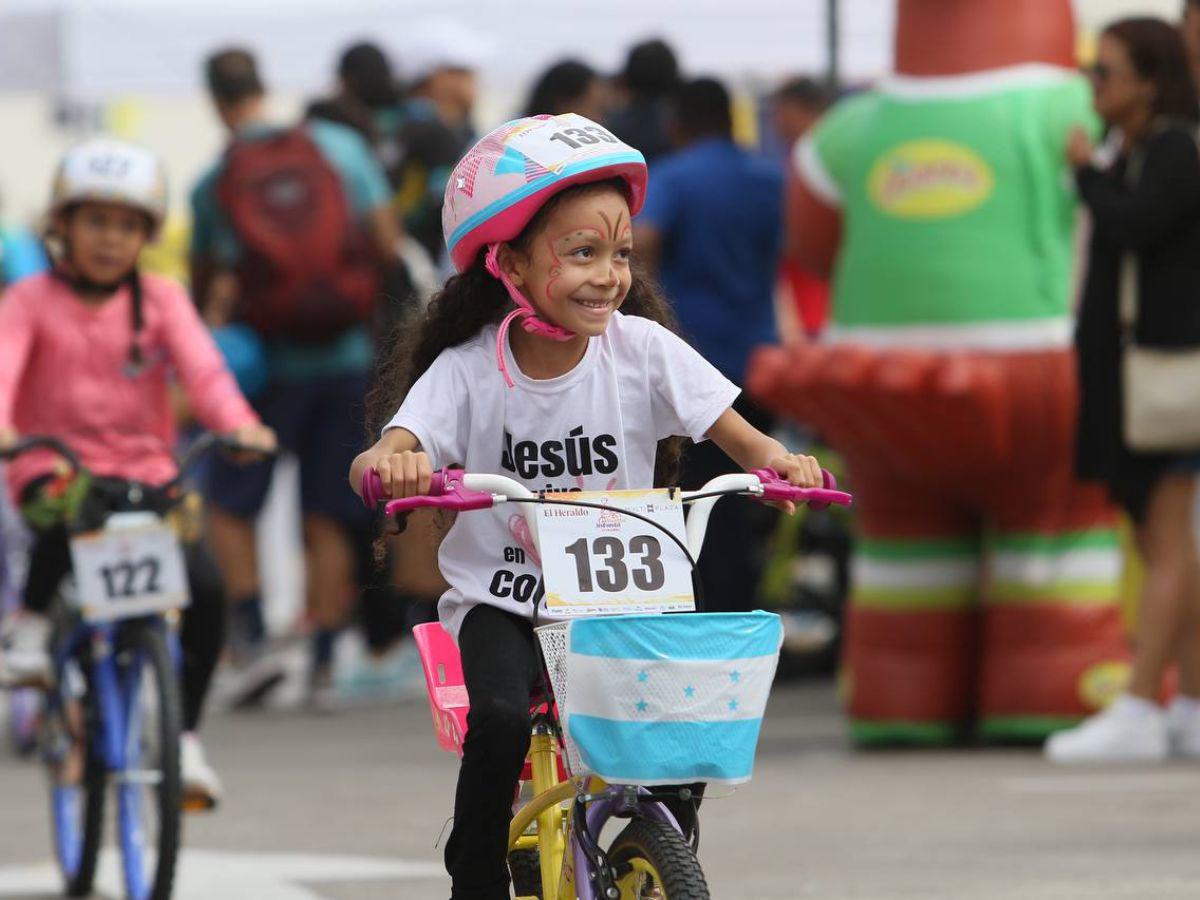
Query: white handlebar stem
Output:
(697,521)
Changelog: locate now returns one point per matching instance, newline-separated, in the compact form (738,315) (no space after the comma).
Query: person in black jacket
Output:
(1144,200)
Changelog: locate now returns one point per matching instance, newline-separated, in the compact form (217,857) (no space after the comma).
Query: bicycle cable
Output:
(604,506)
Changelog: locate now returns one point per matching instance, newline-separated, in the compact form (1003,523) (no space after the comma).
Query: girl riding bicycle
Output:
(538,214)
(86,353)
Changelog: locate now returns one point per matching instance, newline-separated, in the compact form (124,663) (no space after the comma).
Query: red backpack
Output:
(307,271)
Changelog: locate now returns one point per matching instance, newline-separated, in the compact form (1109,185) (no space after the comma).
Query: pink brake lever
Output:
(777,488)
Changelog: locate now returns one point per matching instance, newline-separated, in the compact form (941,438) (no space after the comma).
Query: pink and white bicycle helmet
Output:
(506,178)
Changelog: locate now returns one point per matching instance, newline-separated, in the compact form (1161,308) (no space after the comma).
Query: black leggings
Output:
(203,631)
(502,668)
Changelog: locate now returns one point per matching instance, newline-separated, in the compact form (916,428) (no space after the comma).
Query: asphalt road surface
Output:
(349,806)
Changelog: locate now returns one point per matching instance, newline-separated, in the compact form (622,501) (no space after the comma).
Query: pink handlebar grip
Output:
(372,486)
(446,491)
(776,488)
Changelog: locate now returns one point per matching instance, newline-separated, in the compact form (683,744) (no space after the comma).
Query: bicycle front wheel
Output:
(149,788)
(77,776)
(652,860)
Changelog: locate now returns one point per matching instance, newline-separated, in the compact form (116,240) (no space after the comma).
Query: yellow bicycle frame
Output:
(551,808)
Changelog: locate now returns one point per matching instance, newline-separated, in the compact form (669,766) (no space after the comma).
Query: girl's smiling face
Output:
(575,269)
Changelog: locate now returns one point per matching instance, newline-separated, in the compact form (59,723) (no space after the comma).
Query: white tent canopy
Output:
(102,48)
(95,49)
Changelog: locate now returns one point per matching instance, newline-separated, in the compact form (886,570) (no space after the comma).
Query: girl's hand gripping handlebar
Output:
(777,489)
(446,491)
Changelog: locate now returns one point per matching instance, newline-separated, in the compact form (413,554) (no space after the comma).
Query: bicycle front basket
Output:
(663,699)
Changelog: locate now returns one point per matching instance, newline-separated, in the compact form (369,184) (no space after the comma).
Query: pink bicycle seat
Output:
(444,683)
(447,690)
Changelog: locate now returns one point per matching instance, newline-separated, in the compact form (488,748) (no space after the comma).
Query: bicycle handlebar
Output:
(455,489)
(40,442)
(199,447)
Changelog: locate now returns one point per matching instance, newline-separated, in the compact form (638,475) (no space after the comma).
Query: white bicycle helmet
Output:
(106,170)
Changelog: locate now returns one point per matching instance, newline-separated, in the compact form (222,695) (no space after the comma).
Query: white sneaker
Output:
(1183,726)
(25,654)
(255,678)
(1130,730)
(201,786)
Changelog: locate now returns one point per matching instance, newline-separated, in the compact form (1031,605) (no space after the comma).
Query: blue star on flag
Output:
(643,675)
(642,706)
(689,692)
(733,705)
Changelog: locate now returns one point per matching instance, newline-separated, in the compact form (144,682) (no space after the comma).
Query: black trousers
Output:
(502,668)
(203,629)
(733,556)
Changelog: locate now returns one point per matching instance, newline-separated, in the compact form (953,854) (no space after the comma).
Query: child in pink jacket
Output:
(86,354)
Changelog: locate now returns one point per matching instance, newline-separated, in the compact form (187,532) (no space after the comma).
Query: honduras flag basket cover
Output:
(663,699)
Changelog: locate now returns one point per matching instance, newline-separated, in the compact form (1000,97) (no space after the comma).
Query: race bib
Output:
(132,567)
(600,562)
(555,143)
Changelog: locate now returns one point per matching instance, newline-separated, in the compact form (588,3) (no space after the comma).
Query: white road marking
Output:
(205,874)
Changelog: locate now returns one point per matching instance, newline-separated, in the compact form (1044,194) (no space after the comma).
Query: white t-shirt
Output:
(594,428)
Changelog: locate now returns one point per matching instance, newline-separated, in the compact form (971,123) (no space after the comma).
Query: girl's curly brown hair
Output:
(473,299)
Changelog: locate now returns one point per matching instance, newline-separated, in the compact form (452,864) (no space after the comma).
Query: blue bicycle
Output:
(23,703)
(113,710)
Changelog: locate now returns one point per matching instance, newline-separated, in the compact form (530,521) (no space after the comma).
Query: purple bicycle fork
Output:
(615,801)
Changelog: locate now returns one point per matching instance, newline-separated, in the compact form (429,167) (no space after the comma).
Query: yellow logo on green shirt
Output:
(929,179)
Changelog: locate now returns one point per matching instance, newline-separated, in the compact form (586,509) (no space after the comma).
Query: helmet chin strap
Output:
(524,311)
(85,285)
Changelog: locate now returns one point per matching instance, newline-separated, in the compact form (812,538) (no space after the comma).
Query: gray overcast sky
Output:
(1096,12)
(1091,12)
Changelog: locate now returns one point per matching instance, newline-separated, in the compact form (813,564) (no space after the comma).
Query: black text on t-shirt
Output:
(577,455)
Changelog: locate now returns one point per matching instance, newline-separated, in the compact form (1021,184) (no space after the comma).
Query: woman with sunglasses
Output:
(1142,189)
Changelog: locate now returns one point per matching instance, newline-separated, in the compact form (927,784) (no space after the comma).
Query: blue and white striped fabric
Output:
(666,699)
